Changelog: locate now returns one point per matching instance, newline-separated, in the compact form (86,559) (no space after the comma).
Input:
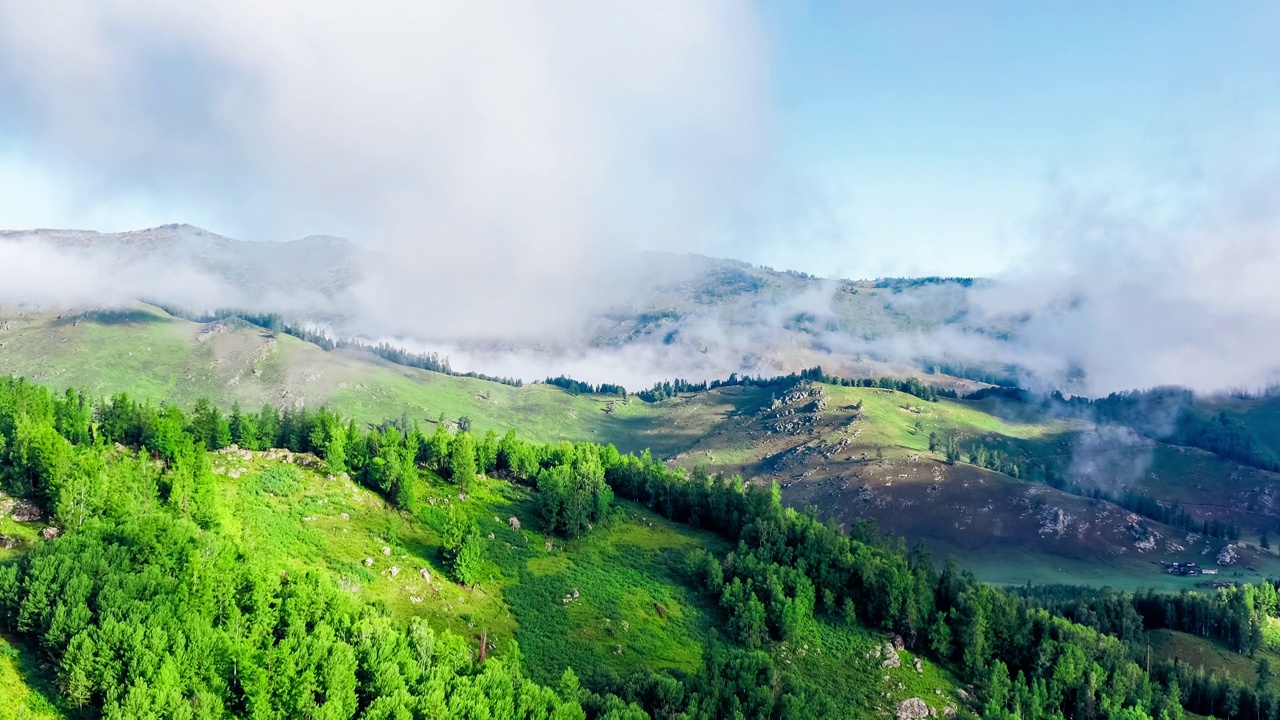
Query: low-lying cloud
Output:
(503,161)
(501,168)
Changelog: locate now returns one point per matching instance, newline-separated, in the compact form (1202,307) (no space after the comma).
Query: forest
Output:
(143,611)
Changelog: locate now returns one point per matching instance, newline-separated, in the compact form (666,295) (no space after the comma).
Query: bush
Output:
(279,480)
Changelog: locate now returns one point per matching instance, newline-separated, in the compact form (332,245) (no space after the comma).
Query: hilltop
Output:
(325,264)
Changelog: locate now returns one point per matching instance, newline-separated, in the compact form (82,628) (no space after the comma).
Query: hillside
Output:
(150,354)
(322,551)
(865,452)
(696,315)
(616,603)
(851,452)
(326,265)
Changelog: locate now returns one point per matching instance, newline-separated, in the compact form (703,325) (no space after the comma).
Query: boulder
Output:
(386,550)
(912,709)
(24,511)
(393,570)
(50,532)
(368,562)
(891,659)
(514,523)
(9,543)
(426,574)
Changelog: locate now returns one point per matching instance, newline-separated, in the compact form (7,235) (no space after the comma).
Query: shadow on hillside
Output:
(666,436)
(44,696)
(108,317)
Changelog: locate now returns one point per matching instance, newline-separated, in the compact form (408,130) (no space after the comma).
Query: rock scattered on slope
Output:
(891,659)
(912,709)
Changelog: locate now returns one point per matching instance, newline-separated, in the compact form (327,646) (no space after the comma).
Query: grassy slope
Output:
(991,521)
(866,454)
(620,570)
(150,354)
(24,695)
(23,533)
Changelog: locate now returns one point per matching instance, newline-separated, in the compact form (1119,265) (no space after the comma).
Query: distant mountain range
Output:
(692,315)
(320,262)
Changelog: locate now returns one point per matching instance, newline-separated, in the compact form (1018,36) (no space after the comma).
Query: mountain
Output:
(319,263)
(690,315)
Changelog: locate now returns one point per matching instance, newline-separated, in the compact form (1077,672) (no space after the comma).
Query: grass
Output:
(299,519)
(152,355)
(1210,654)
(24,693)
(623,574)
(889,419)
(845,665)
(25,533)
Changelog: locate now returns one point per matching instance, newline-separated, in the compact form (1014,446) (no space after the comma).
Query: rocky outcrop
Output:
(24,511)
(1228,555)
(912,709)
(891,659)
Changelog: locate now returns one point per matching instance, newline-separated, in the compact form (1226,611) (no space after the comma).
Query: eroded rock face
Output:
(912,709)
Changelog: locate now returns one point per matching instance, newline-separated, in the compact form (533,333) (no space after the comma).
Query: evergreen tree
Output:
(462,461)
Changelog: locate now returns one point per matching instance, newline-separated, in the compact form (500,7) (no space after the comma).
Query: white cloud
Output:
(496,154)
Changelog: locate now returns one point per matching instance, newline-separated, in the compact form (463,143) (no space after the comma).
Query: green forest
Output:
(139,601)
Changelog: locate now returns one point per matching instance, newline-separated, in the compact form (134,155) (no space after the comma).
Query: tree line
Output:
(979,453)
(1232,616)
(1166,414)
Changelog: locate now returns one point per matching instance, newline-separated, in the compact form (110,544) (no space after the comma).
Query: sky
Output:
(850,139)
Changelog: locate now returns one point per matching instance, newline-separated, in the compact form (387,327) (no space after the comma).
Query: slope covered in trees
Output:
(151,602)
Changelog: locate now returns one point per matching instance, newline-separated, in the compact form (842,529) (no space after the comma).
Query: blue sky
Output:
(944,126)
(927,137)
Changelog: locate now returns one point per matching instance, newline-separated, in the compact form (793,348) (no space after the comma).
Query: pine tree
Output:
(467,564)
(462,461)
